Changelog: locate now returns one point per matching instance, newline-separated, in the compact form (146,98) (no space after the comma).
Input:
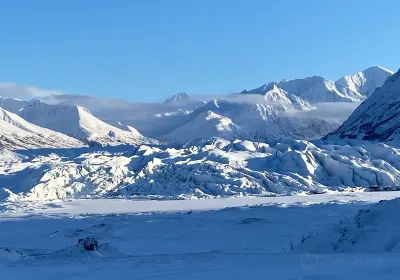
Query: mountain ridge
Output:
(377,118)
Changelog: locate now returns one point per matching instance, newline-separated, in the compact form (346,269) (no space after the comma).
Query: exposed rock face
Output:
(88,244)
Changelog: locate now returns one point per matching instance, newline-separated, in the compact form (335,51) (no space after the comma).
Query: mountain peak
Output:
(378,68)
(377,118)
(364,83)
(177,97)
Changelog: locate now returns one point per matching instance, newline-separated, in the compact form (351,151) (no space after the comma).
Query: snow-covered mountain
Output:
(318,89)
(206,125)
(377,118)
(364,83)
(79,123)
(17,133)
(178,97)
(259,119)
(312,89)
(283,98)
(150,119)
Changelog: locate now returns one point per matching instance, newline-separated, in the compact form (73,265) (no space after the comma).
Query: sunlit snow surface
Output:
(147,214)
(232,238)
(200,169)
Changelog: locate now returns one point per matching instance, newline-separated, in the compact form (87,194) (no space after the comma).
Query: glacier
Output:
(202,168)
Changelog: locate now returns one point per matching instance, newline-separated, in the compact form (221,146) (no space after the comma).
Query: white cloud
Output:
(12,90)
(330,111)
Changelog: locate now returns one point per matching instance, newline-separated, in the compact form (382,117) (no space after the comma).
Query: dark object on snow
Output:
(190,212)
(252,221)
(89,243)
(382,188)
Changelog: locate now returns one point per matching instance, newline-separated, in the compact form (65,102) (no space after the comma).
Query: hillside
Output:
(79,123)
(377,118)
(17,133)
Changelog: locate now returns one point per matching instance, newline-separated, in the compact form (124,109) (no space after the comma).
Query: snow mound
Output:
(377,118)
(78,122)
(7,155)
(7,254)
(87,248)
(373,230)
(17,133)
(203,168)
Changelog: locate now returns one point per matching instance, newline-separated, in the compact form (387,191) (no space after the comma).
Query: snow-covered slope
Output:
(206,125)
(364,83)
(318,89)
(150,119)
(17,133)
(284,98)
(202,169)
(372,230)
(78,122)
(377,118)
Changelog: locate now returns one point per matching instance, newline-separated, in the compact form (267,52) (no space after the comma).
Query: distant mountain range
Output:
(353,88)
(277,110)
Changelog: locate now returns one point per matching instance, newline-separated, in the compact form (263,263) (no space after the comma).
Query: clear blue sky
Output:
(144,50)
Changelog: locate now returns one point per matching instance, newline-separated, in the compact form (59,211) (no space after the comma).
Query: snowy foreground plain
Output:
(231,238)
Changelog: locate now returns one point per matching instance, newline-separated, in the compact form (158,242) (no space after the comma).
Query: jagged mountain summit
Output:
(317,89)
(283,98)
(79,123)
(178,97)
(366,82)
(17,133)
(377,118)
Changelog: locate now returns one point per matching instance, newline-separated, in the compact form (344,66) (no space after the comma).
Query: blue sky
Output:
(146,50)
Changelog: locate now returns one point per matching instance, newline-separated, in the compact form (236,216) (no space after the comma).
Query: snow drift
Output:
(372,230)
